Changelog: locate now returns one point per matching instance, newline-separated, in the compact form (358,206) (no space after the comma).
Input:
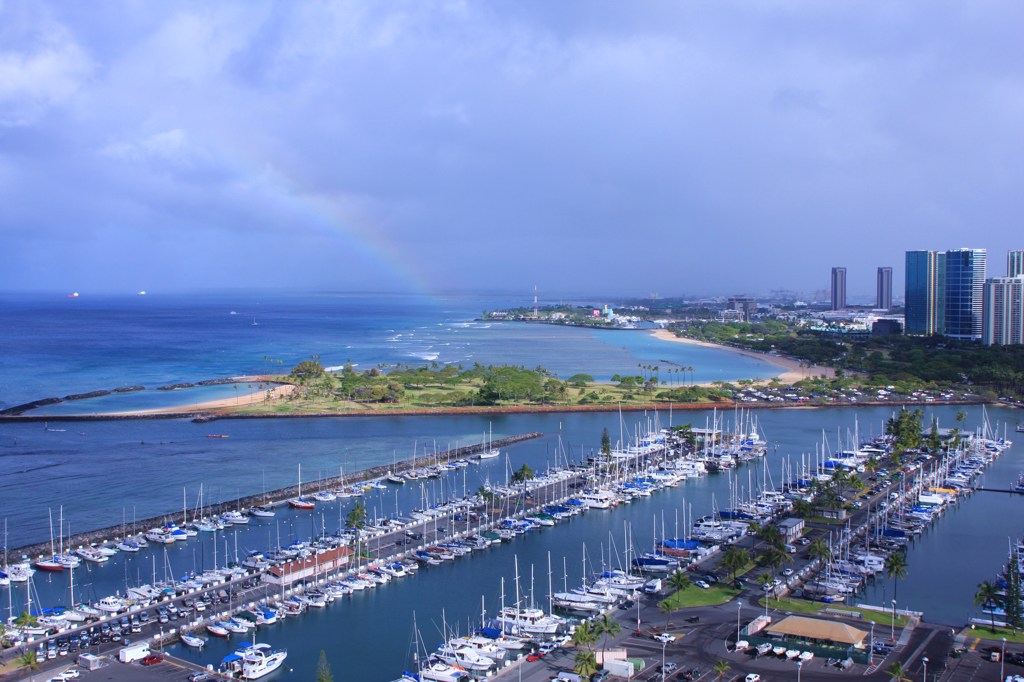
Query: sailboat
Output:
(264,510)
(489,452)
(299,502)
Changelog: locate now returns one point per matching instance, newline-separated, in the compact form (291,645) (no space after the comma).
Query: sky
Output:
(675,148)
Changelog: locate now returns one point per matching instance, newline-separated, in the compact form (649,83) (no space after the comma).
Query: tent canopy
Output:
(813,628)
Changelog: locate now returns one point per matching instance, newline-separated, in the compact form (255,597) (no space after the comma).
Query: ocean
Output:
(54,346)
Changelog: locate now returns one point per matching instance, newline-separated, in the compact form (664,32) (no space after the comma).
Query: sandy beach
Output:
(275,392)
(792,370)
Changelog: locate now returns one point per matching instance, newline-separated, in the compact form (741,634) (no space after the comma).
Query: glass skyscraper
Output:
(924,293)
(965,284)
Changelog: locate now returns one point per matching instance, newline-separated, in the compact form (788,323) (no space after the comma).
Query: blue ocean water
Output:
(55,346)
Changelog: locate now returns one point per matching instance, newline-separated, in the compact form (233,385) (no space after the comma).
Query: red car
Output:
(152,659)
(534,657)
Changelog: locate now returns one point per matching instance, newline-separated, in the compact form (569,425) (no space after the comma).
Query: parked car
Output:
(152,659)
(665,638)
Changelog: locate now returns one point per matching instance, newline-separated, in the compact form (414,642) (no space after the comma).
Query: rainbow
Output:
(362,237)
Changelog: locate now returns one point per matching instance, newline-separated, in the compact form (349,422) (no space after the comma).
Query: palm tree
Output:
(988,595)
(584,636)
(769,533)
(820,550)
(720,669)
(802,508)
(665,606)
(605,627)
(26,619)
(679,582)
(896,568)
(775,556)
(585,663)
(898,672)
(734,559)
(28,660)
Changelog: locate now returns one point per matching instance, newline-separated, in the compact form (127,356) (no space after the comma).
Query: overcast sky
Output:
(676,147)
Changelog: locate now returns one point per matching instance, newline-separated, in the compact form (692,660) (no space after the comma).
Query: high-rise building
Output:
(1003,322)
(1014,263)
(925,293)
(838,288)
(965,283)
(883,298)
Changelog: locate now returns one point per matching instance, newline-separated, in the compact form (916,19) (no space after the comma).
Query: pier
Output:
(272,498)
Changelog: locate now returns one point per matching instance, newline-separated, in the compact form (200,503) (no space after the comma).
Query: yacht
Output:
(259,661)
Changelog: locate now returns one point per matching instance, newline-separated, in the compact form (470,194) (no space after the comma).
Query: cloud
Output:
(41,67)
(669,146)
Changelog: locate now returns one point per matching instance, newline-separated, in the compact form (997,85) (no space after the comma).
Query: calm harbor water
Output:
(141,468)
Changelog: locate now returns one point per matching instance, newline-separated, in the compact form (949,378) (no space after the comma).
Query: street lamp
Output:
(1002,660)
(871,650)
(663,644)
(739,605)
(799,667)
(892,635)
(924,660)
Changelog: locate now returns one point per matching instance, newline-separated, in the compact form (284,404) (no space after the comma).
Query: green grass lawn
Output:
(814,607)
(986,632)
(696,596)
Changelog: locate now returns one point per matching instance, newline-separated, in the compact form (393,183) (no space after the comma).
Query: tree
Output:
(665,606)
(523,474)
(323,669)
(820,550)
(1014,612)
(28,660)
(898,672)
(720,668)
(584,635)
(605,627)
(585,663)
(896,569)
(769,533)
(988,596)
(733,559)
(775,556)
(679,581)
(802,508)
(357,516)
(26,619)
(606,442)
(307,370)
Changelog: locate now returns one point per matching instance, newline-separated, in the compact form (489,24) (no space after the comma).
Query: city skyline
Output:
(455,147)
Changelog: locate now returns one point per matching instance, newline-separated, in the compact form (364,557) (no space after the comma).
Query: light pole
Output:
(739,605)
(924,660)
(892,635)
(871,650)
(799,667)
(1002,660)
(663,644)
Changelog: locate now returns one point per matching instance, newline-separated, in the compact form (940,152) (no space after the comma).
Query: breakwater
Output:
(273,497)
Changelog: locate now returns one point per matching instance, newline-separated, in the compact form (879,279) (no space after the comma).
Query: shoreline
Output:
(210,416)
(793,370)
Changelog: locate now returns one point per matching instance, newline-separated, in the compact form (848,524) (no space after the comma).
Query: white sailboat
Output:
(489,452)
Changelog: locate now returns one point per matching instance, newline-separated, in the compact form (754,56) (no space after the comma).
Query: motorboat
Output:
(192,640)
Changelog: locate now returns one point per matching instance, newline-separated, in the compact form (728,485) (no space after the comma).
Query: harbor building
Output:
(1003,306)
(883,296)
(1014,263)
(925,291)
(838,288)
(965,283)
